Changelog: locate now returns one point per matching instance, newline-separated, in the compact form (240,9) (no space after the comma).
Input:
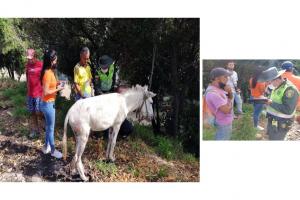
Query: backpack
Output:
(208,116)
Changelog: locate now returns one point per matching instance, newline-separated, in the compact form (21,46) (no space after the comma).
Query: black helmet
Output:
(105,61)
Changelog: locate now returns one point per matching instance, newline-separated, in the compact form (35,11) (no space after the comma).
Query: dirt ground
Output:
(21,159)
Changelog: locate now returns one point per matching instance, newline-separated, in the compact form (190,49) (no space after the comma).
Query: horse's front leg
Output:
(115,131)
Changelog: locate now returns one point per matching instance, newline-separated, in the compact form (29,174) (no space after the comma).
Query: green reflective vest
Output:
(106,79)
(277,96)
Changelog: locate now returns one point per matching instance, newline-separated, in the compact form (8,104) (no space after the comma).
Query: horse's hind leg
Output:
(113,142)
(110,137)
(75,158)
(82,140)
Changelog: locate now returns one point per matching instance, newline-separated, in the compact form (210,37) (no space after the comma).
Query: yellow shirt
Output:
(83,76)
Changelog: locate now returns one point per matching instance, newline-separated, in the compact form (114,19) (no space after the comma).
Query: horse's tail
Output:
(65,136)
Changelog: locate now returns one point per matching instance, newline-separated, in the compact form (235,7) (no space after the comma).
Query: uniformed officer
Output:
(281,107)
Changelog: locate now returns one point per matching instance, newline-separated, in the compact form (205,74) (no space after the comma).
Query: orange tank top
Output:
(49,79)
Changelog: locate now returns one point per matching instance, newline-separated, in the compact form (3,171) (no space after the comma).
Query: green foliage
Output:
(17,98)
(20,112)
(243,128)
(13,44)
(209,133)
(8,93)
(166,147)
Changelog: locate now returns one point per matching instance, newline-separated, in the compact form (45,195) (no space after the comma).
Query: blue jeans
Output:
(223,132)
(49,112)
(258,107)
(238,101)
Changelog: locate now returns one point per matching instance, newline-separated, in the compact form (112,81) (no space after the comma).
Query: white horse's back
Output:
(99,112)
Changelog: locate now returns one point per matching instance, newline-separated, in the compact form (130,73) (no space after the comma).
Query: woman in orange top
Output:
(257,92)
(49,84)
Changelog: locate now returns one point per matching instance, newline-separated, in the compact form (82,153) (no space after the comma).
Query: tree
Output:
(12,46)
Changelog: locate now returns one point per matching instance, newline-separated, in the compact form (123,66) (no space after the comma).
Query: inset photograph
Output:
(251,99)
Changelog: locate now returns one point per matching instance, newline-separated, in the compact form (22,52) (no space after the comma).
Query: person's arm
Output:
(227,108)
(219,103)
(289,102)
(46,88)
(77,87)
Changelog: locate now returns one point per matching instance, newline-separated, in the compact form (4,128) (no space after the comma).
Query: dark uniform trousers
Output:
(278,127)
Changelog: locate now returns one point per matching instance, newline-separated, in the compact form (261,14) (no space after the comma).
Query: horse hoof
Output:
(109,161)
(85,179)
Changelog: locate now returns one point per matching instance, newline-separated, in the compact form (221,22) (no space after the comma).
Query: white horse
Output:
(100,113)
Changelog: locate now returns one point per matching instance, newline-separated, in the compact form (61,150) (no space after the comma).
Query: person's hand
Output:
(228,89)
(60,87)
(269,101)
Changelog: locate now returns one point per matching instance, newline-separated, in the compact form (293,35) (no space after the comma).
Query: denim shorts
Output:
(33,104)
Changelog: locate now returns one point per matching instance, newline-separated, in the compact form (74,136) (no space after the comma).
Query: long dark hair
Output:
(49,56)
(257,72)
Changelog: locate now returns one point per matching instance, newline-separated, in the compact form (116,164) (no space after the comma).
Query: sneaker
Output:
(46,150)
(259,128)
(56,154)
(32,134)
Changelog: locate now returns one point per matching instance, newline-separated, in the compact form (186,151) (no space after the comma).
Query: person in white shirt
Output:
(232,82)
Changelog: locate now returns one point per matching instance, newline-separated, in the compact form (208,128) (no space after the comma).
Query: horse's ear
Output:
(150,94)
(146,87)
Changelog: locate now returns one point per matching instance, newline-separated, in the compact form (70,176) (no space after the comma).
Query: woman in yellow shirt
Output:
(50,88)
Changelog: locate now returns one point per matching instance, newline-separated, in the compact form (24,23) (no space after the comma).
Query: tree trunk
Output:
(10,72)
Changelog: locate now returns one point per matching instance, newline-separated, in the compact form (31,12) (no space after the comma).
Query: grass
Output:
(17,99)
(243,128)
(106,168)
(167,147)
(156,176)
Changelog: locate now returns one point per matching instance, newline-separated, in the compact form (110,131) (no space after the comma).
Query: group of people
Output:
(43,85)
(276,91)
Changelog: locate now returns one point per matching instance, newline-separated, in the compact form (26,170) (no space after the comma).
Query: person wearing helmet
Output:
(288,66)
(105,75)
(106,82)
(281,107)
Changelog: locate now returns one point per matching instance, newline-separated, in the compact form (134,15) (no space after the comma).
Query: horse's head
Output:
(146,110)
